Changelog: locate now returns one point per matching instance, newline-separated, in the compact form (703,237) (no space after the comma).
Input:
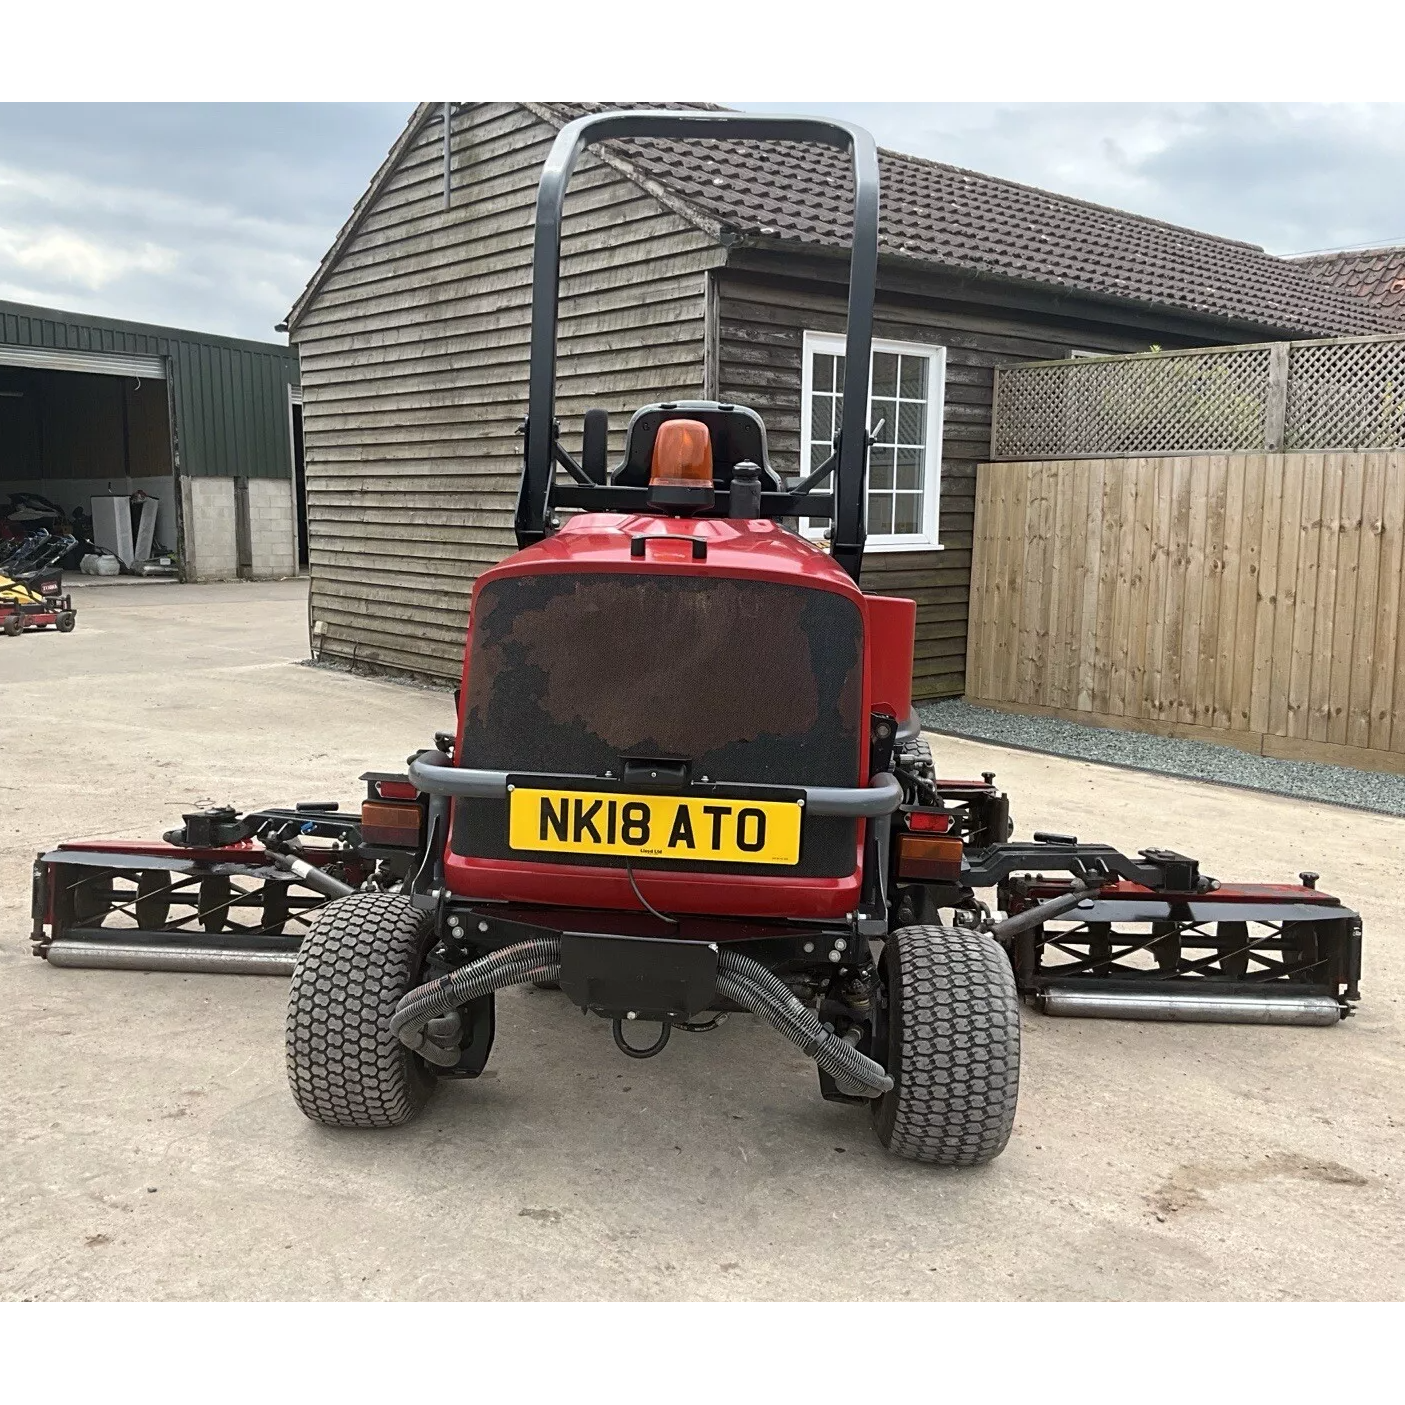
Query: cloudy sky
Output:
(213,216)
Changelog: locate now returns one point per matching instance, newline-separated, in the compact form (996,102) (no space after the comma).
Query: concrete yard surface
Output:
(151,1149)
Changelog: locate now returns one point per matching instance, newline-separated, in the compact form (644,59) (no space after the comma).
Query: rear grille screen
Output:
(752,682)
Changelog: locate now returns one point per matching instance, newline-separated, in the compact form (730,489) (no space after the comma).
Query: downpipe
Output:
(427,1020)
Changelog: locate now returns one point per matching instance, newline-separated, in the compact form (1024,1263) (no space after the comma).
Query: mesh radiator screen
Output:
(751,682)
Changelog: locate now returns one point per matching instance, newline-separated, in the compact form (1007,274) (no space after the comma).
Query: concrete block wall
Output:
(211,550)
(272,532)
(213,529)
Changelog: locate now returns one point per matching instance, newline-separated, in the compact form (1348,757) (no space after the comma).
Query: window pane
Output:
(914,378)
(885,373)
(818,454)
(907,512)
(880,469)
(887,411)
(880,514)
(910,469)
(824,371)
(911,419)
(821,426)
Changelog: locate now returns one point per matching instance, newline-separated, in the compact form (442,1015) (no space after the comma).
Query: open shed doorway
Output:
(68,436)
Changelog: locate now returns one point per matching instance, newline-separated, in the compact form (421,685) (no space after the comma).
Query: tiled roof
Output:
(958,219)
(1376,276)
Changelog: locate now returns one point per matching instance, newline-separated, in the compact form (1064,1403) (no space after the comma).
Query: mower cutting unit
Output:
(686,780)
(223,894)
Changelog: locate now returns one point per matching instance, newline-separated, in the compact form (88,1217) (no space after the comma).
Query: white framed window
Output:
(906,391)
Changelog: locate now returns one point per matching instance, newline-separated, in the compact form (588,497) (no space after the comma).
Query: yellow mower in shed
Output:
(31,588)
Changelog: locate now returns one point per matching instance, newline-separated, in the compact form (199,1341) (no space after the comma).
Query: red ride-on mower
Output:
(686,780)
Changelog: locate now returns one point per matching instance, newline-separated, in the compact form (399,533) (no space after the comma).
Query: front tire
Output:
(345,1068)
(949,1035)
(13,626)
(65,621)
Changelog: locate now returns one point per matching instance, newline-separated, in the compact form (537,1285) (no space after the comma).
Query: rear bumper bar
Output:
(432,773)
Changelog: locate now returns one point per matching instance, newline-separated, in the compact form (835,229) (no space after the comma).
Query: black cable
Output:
(663,917)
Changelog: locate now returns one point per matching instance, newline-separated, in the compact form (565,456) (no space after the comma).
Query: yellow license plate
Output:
(654,826)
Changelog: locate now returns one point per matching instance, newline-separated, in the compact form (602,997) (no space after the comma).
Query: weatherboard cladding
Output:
(414,360)
(231,396)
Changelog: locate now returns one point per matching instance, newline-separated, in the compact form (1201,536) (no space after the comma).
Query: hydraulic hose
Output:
(740,979)
(539,959)
(762,992)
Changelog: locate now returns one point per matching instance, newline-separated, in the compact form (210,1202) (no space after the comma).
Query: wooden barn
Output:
(710,269)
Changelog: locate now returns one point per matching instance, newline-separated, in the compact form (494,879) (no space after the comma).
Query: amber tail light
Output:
(924,856)
(395,824)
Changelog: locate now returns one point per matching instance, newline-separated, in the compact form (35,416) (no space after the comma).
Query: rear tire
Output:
(951,1042)
(918,753)
(345,1067)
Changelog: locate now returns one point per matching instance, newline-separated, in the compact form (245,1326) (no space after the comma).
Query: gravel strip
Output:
(1377,791)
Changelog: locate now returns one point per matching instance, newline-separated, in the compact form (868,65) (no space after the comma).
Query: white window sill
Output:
(915,544)
(881,546)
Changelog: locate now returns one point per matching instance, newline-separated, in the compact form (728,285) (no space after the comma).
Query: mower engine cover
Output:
(660,690)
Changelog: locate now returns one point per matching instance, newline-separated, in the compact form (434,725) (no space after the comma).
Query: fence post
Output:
(1276,400)
(995,416)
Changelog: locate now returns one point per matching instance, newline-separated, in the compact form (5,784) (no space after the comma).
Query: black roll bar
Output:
(851,471)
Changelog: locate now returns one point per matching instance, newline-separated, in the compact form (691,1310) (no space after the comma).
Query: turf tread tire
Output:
(953,1047)
(918,753)
(345,1067)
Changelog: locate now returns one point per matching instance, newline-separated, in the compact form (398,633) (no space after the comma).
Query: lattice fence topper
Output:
(1346,395)
(1343,394)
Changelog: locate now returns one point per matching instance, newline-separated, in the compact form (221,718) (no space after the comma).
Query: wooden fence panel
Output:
(1256,599)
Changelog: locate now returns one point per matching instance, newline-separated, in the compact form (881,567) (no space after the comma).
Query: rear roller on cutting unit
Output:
(224,893)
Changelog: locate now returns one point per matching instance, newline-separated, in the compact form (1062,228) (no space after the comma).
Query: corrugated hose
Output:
(740,979)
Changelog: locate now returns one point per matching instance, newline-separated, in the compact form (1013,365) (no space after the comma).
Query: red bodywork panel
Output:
(159,849)
(746,549)
(245,851)
(891,636)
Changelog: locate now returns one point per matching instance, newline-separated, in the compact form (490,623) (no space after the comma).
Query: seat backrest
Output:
(738,435)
